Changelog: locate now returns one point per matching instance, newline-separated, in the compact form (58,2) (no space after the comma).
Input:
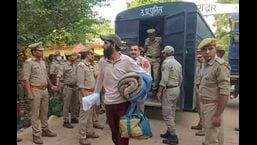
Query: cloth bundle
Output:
(134,87)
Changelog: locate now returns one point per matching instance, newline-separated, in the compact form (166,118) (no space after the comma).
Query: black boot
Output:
(170,142)
(67,125)
(169,138)
(74,120)
(165,135)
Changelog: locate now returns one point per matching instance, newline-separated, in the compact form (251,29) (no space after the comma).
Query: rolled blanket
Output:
(135,86)
(129,84)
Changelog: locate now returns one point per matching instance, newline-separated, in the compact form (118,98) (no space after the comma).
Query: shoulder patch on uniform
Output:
(80,64)
(219,60)
(158,39)
(222,62)
(227,65)
(29,59)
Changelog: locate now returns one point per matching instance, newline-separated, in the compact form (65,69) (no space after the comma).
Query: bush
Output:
(55,106)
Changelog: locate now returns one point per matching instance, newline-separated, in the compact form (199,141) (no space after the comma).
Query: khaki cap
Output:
(37,46)
(86,49)
(168,49)
(150,31)
(68,53)
(206,42)
(220,47)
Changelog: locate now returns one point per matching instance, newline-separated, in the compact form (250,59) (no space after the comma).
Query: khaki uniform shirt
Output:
(68,72)
(214,79)
(153,49)
(54,68)
(85,75)
(171,72)
(96,68)
(34,70)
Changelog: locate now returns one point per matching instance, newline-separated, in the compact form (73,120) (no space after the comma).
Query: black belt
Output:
(71,86)
(152,56)
(167,87)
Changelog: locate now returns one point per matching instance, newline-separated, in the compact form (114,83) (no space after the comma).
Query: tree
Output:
(54,21)
(228,1)
(101,27)
(222,31)
(136,3)
(29,16)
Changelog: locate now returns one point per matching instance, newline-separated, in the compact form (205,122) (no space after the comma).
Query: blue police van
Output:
(179,24)
(233,55)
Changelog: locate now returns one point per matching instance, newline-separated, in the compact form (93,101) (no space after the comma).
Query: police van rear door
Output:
(128,30)
(174,35)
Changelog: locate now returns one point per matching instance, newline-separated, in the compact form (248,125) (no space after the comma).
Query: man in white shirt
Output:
(112,68)
(144,63)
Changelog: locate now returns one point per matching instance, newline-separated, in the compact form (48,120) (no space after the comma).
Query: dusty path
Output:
(184,121)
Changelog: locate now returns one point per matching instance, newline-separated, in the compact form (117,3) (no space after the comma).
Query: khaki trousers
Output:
(169,100)
(85,120)
(155,66)
(198,106)
(39,110)
(70,102)
(213,135)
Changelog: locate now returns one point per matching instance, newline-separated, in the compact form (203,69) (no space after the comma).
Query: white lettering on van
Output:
(153,11)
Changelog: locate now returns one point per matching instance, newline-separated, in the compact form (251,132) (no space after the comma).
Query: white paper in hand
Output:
(90,100)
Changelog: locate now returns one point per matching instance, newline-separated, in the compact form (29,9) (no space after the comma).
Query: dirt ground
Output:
(184,121)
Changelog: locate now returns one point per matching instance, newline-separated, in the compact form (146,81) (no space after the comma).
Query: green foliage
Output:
(55,21)
(101,27)
(55,106)
(25,122)
(136,3)
(223,29)
(228,1)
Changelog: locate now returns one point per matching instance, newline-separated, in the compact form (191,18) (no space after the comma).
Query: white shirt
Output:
(110,74)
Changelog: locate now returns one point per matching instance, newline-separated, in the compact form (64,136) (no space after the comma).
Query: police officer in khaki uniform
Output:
(86,83)
(169,86)
(95,69)
(54,67)
(70,91)
(220,50)
(53,71)
(199,126)
(214,91)
(153,52)
(36,80)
